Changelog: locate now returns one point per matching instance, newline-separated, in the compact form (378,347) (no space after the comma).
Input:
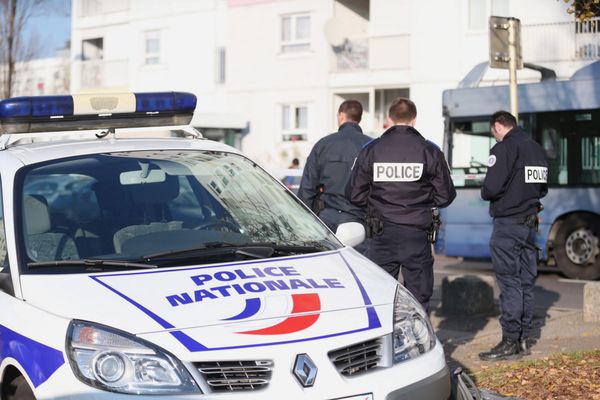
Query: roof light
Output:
(43,106)
(94,111)
(152,102)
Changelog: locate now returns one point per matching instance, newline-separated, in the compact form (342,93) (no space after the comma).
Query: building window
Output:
(90,8)
(295,33)
(152,47)
(294,122)
(220,65)
(92,49)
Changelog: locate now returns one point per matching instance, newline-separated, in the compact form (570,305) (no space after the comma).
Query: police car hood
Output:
(210,306)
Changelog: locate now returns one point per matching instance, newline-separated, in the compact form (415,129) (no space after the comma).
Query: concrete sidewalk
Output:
(556,330)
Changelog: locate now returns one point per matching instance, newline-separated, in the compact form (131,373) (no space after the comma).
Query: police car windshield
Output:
(124,206)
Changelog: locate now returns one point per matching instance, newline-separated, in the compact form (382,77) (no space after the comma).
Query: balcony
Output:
(372,53)
(104,74)
(90,8)
(562,41)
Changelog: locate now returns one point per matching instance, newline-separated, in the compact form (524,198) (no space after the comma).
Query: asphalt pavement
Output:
(558,317)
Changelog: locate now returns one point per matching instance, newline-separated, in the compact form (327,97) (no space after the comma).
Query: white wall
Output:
(262,77)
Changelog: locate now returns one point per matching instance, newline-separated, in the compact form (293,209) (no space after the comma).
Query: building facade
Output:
(270,74)
(42,76)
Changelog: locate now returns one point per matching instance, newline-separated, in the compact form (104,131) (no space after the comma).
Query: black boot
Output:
(524,348)
(505,350)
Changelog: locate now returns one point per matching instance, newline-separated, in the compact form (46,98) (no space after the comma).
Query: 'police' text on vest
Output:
(397,172)
(536,175)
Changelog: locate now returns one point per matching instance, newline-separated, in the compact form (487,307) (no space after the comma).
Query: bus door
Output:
(571,140)
(466,222)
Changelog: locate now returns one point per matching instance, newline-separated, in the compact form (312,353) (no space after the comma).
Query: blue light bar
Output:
(152,102)
(91,111)
(42,106)
(53,106)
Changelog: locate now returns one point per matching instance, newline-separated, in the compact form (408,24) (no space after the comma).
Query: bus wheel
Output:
(576,247)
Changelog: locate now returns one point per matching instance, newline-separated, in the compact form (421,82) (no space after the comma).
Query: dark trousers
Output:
(514,259)
(405,248)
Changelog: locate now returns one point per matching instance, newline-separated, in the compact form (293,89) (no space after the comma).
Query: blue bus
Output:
(564,117)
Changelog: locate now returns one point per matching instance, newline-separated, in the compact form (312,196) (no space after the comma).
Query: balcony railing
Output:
(101,73)
(562,41)
(90,8)
(372,53)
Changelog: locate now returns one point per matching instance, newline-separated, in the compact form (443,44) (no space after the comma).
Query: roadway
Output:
(551,289)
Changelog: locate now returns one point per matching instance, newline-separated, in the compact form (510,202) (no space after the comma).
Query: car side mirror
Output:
(351,233)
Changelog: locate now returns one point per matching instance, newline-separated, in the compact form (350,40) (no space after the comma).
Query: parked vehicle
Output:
(563,116)
(176,267)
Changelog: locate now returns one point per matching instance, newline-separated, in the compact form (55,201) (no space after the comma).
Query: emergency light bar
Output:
(95,111)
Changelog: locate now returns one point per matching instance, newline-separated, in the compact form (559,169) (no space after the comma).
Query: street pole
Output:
(512,68)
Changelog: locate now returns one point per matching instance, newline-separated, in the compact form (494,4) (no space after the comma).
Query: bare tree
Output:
(584,10)
(15,47)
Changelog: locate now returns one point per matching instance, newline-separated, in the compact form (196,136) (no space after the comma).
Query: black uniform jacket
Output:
(517,176)
(400,177)
(329,164)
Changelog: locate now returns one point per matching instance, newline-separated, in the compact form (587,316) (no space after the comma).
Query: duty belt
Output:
(530,220)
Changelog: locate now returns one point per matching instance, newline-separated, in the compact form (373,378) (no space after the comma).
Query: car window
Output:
(130,204)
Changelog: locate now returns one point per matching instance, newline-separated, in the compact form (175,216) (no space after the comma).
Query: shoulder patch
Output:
(491,161)
(433,144)
(369,143)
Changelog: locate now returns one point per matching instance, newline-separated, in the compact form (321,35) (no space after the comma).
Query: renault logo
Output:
(305,370)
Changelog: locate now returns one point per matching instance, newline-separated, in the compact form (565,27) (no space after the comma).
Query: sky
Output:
(53,26)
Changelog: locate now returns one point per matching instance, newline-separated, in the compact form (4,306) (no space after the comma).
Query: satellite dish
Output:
(334,29)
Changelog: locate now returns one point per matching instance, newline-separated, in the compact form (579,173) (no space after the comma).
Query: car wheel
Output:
(576,247)
(20,390)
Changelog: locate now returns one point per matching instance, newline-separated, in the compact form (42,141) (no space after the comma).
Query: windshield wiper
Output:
(91,262)
(256,250)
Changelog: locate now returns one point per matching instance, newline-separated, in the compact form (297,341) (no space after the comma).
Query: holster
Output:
(318,203)
(436,222)
(532,221)
(374,226)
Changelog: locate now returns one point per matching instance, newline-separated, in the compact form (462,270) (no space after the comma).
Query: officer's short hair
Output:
(353,110)
(504,118)
(402,110)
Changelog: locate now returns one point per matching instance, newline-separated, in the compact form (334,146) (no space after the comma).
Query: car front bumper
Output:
(426,377)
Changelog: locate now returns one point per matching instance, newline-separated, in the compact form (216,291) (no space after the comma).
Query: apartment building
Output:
(154,45)
(43,76)
(270,74)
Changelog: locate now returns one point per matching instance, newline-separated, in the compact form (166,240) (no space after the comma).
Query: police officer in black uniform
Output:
(397,179)
(328,167)
(515,181)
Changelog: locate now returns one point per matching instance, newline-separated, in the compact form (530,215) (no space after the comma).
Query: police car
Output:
(174,267)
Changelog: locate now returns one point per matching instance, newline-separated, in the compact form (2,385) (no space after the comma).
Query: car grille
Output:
(234,376)
(357,358)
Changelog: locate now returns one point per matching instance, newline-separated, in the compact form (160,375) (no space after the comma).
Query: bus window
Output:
(471,144)
(572,145)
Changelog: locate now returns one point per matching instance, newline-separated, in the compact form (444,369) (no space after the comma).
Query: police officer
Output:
(328,167)
(398,178)
(515,181)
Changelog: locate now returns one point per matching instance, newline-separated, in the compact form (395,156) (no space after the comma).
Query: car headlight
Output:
(413,334)
(118,362)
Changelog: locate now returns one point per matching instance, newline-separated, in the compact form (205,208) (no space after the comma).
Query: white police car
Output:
(175,267)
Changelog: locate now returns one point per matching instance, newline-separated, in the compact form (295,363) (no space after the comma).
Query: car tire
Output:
(19,390)
(576,247)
